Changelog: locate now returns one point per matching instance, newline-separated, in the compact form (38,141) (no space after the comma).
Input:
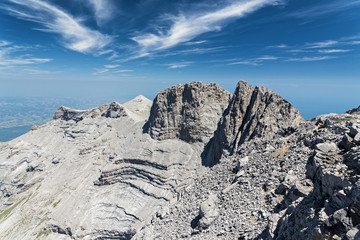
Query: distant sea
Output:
(7,134)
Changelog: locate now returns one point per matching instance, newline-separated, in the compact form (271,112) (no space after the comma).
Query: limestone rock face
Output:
(189,112)
(252,113)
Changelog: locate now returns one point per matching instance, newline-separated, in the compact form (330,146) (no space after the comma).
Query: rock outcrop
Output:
(189,112)
(332,209)
(252,113)
(67,114)
(208,212)
(354,110)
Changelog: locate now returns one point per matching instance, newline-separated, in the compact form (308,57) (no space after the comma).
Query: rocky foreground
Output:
(196,163)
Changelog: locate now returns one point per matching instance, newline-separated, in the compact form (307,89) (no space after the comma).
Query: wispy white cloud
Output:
(194,50)
(23,61)
(267,57)
(104,10)
(186,27)
(279,46)
(111,69)
(324,44)
(298,51)
(39,72)
(176,65)
(334,50)
(309,52)
(324,9)
(4,43)
(196,42)
(201,50)
(254,61)
(8,51)
(246,62)
(353,43)
(98,72)
(75,35)
(309,59)
(123,71)
(111,66)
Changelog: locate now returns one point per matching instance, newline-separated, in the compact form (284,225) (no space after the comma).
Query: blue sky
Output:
(307,51)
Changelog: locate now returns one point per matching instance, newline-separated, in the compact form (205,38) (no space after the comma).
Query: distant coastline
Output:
(8,134)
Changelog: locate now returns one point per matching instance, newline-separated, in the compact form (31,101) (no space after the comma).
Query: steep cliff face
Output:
(189,112)
(252,113)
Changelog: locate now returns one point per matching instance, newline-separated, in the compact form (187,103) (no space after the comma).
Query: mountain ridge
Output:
(143,169)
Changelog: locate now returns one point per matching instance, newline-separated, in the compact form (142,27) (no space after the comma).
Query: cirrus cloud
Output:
(186,27)
(74,35)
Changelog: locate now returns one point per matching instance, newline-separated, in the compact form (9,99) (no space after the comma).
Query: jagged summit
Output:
(139,106)
(196,163)
(189,112)
(354,110)
(252,113)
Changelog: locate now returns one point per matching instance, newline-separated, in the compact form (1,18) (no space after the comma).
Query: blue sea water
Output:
(7,134)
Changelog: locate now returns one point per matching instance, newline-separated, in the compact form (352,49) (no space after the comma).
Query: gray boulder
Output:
(208,211)
(327,147)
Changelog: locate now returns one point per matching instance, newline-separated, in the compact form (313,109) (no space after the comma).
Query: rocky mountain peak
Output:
(354,110)
(189,112)
(67,114)
(252,113)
